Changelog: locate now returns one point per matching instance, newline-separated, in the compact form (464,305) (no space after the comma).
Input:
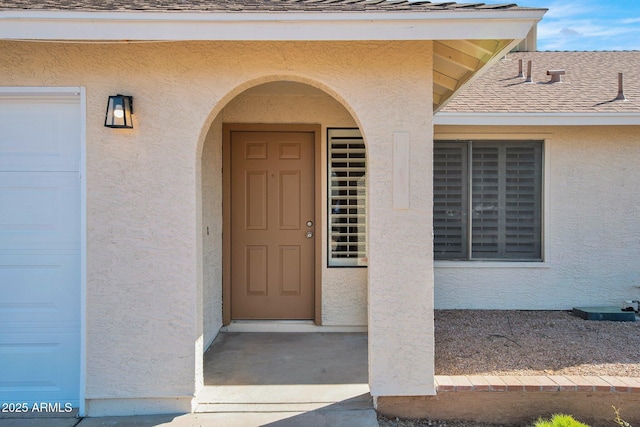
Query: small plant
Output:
(559,420)
(618,420)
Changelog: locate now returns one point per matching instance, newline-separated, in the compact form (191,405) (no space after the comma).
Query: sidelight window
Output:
(347,198)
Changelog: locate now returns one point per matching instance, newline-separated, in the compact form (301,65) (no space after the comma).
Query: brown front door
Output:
(272,225)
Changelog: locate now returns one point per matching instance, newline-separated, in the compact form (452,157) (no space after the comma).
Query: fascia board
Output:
(22,92)
(538,119)
(254,26)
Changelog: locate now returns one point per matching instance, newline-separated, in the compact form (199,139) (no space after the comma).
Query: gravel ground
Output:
(492,342)
(473,342)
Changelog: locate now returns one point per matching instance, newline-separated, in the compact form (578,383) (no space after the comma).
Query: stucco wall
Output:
(145,249)
(344,290)
(211,168)
(591,227)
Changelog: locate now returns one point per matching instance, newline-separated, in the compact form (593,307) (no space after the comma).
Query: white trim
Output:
(482,135)
(83,250)
(546,192)
(537,119)
(245,26)
(490,264)
(287,326)
(26,92)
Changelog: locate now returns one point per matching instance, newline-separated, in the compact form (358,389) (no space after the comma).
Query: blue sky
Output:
(587,24)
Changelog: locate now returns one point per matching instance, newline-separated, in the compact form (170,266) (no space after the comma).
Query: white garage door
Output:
(40,140)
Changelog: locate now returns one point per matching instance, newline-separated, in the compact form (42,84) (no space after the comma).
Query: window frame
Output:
(502,142)
(347,262)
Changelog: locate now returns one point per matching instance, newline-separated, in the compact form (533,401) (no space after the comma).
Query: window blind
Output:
(347,198)
(450,200)
(497,213)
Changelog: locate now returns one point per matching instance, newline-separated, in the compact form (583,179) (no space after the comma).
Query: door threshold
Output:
(286,326)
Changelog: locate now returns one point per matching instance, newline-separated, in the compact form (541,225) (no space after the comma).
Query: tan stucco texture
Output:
(144,291)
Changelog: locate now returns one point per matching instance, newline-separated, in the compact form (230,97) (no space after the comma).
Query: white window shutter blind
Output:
(347,198)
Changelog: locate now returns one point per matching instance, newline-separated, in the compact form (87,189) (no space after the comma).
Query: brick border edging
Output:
(455,383)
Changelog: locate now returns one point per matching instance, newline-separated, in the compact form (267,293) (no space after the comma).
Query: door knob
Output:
(309,234)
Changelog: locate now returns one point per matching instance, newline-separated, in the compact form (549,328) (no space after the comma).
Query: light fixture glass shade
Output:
(119,109)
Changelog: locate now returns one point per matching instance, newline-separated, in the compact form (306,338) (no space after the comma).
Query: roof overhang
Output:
(272,26)
(465,41)
(538,119)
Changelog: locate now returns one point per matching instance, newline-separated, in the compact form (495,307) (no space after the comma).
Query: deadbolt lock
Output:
(309,223)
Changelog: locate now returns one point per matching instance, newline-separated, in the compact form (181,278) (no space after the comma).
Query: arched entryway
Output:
(282,106)
(291,122)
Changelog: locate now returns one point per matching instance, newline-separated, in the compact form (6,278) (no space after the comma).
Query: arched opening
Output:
(340,277)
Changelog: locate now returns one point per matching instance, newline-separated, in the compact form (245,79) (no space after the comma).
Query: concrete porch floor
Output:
(288,379)
(286,358)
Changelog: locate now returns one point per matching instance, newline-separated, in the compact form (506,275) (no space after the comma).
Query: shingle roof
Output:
(251,5)
(589,85)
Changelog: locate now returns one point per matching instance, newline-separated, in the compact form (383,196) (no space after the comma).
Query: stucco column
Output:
(401,330)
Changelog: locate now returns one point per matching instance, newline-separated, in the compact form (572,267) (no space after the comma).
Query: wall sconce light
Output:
(119,109)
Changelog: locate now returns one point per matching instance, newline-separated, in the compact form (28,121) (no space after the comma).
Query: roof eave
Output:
(266,26)
(504,47)
(538,119)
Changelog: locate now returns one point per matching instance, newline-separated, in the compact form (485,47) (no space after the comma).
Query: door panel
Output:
(257,270)
(40,213)
(272,198)
(36,134)
(256,195)
(30,289)
(290,195)
(39,366)
(290,273)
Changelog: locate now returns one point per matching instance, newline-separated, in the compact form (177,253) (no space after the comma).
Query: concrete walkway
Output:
(266,379)
(353,418)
